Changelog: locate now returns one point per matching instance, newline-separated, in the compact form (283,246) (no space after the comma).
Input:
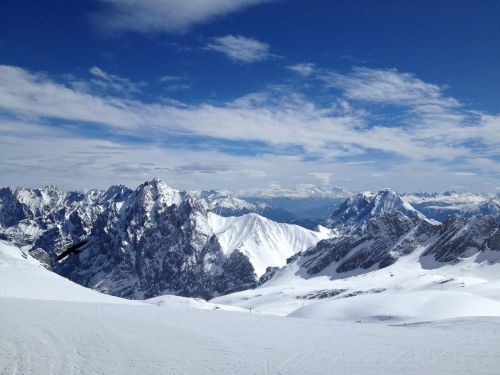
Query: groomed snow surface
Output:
(49,325)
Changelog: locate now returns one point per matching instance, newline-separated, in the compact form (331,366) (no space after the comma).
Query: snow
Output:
(22,276)
(408,306)
(406,291)
(299,192)
(50,325)
(451,198)
(170,302)
(265,242)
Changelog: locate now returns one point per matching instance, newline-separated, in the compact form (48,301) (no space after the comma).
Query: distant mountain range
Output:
(156,240)
(387,262)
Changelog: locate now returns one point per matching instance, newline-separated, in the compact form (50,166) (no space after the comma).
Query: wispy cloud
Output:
(112,82)
(270,130)
(171,78)
(153,16)
(303,69)
(240,48)
(388,87)
(278,118)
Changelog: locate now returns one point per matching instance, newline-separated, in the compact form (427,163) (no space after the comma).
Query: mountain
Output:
(49,218)
(307,205)
(355,212)
(227,205)
(398,269)
(439,206)
(378,229)
(264,242)
(461,237)
(148,241)
(384,240)
(224,204)
(300,192)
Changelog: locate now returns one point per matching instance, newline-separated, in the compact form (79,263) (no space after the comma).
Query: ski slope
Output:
(49,325)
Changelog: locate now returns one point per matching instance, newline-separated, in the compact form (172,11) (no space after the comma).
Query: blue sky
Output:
(233,94)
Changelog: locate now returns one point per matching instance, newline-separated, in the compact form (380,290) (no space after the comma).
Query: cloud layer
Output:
(277,135)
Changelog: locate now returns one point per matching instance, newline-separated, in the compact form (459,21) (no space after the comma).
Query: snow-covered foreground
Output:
(49,325)
(56,337)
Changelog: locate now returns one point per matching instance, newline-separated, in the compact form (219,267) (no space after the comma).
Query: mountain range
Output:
(156,240)
(149,241)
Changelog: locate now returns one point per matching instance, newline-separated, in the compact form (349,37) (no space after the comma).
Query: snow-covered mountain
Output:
(398,269)
(439,206)
(50,219)
(300,192)
(148,241)
(388,238)
(264,242)
(355,212)
(461,237)
(225,204)
(386,257)
(384,240)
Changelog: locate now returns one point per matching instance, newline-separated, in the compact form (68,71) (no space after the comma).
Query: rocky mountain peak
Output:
(355,212)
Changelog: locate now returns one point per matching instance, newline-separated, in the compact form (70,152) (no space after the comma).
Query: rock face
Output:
(461,237)
(48,218)
(378,230)
(157,241)
(146,242)
(392,236)
(383,241)
(355,212)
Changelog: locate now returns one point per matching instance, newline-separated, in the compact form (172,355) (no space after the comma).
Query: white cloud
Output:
(152,16)
(171,78)
(389,87)
(240,48)
(464,174)
(112,82)
(281,119)
(305,69)
(298,139)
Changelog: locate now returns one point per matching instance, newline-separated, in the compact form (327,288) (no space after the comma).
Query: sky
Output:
(243,94)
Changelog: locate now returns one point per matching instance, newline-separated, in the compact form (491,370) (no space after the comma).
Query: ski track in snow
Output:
(61,337)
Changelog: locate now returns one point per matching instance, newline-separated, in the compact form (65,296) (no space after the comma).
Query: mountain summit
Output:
(355,212)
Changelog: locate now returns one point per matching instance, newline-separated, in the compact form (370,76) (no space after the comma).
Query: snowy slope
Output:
(41,334)
(265,242)
(402,292)
(22,276)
